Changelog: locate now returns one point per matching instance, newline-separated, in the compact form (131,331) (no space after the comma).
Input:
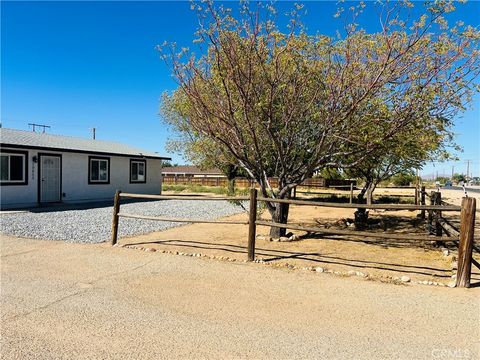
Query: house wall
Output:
(75,186)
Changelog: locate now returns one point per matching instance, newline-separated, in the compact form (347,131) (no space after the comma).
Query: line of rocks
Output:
(391,279)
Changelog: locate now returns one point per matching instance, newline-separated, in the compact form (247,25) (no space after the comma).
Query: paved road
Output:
(73,301)
(469,189)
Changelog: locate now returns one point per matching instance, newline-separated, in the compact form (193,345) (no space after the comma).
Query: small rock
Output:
(351,273)
(430,283)
(405,278)
(445,252)
(150,250)
(454,264)
(294,238)
(359,273)
(284,239)
(319,269)
(454,276)
(451,284)
(260,237)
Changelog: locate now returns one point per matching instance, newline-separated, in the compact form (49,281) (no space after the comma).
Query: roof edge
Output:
(16,146)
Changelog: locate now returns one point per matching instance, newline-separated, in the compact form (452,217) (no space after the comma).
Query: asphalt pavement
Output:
(76,301)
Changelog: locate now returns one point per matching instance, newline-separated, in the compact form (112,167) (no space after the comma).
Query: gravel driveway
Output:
(93,225)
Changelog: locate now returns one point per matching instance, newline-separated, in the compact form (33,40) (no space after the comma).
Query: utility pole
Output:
(468,168)
(93,132)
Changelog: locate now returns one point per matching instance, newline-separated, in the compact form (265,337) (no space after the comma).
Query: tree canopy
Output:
(287,103)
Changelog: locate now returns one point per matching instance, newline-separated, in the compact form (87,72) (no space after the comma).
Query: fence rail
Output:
(465,234)
(363,206)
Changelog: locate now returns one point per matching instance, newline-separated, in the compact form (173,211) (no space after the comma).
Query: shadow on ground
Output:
(269,255)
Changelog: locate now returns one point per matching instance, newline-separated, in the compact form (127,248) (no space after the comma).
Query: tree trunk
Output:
(279,215)
(231,187)
(231,173)
(361,215)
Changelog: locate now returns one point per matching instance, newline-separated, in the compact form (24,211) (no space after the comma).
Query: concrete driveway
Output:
(73,301)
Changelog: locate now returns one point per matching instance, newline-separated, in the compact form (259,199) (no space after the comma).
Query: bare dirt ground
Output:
(384,260)
(73,301)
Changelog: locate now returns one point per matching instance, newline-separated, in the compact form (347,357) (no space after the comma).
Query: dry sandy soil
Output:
(73,301)
(384,260)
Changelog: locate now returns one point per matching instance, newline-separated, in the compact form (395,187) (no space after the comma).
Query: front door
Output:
(50,177)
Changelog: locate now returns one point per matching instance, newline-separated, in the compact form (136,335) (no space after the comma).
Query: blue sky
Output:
(78,65)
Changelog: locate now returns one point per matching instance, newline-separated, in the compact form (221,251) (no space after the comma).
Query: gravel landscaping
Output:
(93,225)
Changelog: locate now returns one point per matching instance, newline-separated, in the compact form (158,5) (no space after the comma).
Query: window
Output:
(138,171)
(98,170)
(13,168)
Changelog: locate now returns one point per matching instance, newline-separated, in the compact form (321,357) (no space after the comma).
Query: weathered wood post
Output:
(295,192)
(252,227)
(416,195)
(116,210)
(422,202)
(351,192)
(465,247)
(430,213)
(438,214)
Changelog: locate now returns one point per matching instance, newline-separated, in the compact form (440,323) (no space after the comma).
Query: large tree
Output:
(286,103)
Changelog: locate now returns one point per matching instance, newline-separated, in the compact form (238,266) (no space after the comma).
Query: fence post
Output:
(116,210)
(465,247)
(422,202)
(295,192)
(252,227)
(351,193)
(438,215)
(430,213)
(416,195)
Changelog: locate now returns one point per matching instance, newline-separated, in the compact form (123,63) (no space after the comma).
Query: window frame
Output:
(145,171)
(98,182)
(24,181)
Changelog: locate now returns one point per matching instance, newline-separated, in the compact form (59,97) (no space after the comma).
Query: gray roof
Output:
(30,139)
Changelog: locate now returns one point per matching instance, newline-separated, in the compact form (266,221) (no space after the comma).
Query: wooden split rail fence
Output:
(465,235)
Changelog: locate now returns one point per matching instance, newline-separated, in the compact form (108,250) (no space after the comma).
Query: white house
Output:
(39,168)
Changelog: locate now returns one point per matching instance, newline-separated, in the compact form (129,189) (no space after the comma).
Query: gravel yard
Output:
(93,225)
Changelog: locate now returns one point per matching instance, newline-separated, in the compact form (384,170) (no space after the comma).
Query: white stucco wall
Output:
(75,186)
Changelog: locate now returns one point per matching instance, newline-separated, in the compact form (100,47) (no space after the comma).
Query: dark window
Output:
(13,168)
(16,168)
(138,171)
(99,170)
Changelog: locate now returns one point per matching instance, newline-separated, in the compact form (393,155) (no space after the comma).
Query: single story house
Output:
(39,168)
(191,171)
